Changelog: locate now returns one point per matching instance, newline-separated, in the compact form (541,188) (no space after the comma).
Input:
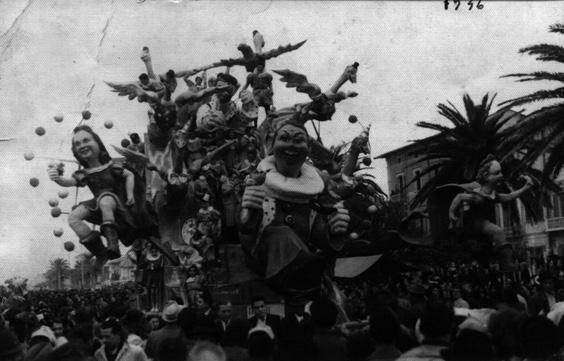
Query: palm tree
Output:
(455,153)
(546,122)
(58,271)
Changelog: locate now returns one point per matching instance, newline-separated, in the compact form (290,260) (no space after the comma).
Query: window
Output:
(400,182)
(557,209)
(417,177)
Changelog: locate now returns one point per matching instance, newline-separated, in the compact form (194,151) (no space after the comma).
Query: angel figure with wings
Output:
(469,210)
(322,105)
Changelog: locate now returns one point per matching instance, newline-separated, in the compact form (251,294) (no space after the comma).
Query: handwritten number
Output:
(446,4)
(480,6)
(470,5)
(457,4)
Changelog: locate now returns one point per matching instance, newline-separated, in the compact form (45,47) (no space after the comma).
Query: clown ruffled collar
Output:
(297,190)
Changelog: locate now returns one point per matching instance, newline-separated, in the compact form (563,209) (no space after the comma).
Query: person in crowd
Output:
(261,344)
(223,322)
(172,349)
(385,330)
(260,315)
(115,346)
(235,340)
(171,329)
(544,298)
(470,345)
(207,351)
(328,345)
(538,338)
(136,327)
(11,349)
(295,338)
(433,330)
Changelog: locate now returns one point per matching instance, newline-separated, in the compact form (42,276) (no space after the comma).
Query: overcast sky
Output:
(412,56)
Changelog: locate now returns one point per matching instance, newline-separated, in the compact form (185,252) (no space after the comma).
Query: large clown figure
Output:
(281,232)
(118,205)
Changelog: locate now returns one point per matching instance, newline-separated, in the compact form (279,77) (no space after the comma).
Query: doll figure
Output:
(153,274)
(261,82)
(118,205)
(468,211)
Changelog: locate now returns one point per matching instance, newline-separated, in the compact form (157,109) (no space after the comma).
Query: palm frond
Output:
(556,28)
(537,96)
(539,75)
(545,52)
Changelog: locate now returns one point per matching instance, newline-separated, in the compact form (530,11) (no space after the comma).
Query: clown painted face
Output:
(290,146)
(495,176)
(85,145)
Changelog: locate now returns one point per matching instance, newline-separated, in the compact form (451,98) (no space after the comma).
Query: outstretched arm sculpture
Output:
(322,106)
(249,60)
(468,210)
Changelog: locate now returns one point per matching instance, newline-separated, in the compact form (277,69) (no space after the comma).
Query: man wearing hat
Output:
(170,330)
(220,110)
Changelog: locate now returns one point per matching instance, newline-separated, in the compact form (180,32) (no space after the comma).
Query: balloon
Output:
(40,131)
(34,182)
(372,209)
(69,246)
(29,155)
(367,161)
(88,255)
(53,202)
(353,119)
(108,124)
(58,118)
(63,194)
(353,235)
(86,114)
(125,143)
(55,212)
(58,232)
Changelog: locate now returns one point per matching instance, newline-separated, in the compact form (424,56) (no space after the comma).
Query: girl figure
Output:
(117,205)
(477,203)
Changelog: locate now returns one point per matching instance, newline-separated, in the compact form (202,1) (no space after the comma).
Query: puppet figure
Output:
(468,211)
(280,230)
(261,82)
(119,197)
(153,276)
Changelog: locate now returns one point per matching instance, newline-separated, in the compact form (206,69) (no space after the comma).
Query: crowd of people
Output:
(453,312)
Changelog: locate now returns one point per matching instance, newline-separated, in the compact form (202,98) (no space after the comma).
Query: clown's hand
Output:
(339,220)
(53,173)
(253,197)
(528,181)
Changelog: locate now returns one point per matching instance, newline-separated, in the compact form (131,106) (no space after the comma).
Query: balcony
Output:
(555,224)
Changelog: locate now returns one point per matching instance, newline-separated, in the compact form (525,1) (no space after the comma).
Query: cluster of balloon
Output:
(58,232)
(40,131)
(69,246)
(55,212)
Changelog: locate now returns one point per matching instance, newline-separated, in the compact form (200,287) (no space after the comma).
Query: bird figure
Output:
(258,41)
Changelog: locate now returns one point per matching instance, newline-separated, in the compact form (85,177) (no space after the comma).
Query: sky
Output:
(55,56)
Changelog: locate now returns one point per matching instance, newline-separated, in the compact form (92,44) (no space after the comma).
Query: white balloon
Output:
(108,124)
(58,232)
(29,155)
(63,194)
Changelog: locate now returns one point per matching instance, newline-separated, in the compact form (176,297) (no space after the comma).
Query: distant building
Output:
(544,237)
(118,271)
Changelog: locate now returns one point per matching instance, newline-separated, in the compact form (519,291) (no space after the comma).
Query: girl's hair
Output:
(484,168)
(104,156)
